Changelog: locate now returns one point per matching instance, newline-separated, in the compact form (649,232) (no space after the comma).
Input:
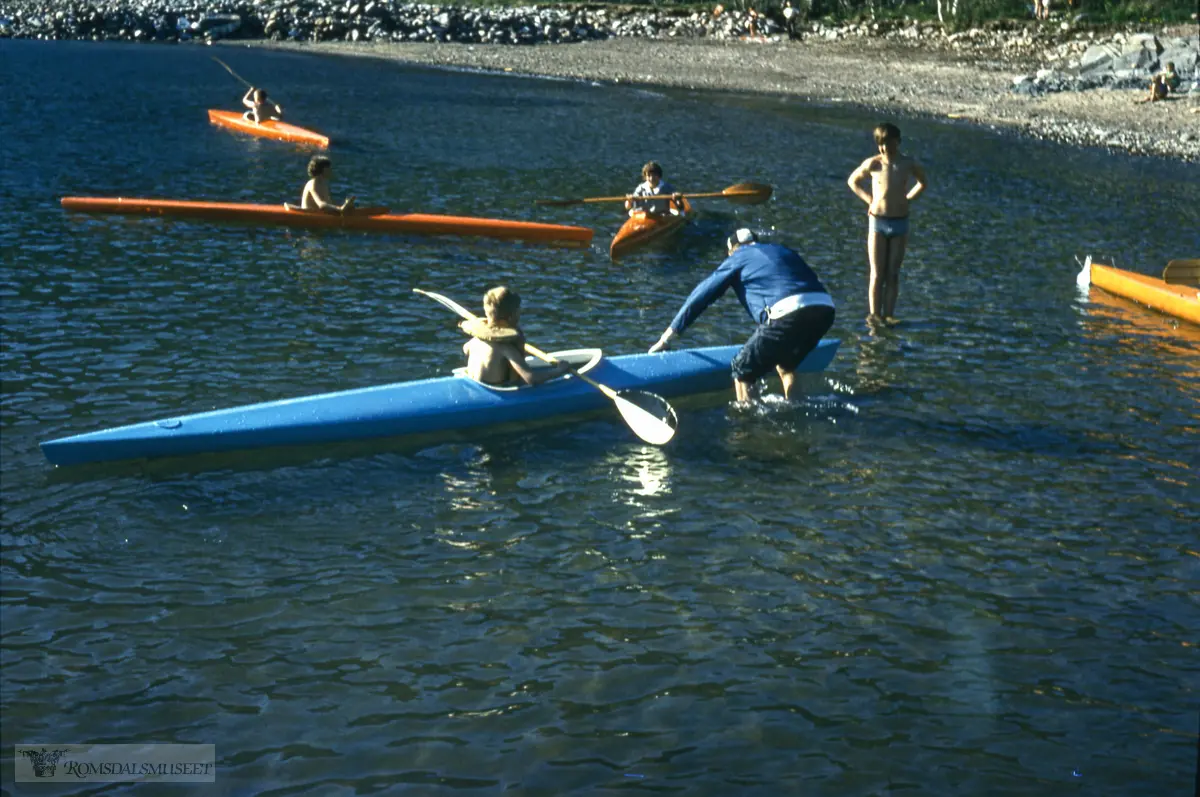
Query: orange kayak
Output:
(271,128)
(1182,301)
(366,219)
(644,231)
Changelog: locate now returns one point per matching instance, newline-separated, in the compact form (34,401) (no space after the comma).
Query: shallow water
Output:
(966,563)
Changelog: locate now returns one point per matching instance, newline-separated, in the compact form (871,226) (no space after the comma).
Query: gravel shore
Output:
(882,75)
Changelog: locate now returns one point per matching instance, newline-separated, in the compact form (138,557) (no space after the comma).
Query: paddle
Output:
(249,85)
(741,194)
(655,428)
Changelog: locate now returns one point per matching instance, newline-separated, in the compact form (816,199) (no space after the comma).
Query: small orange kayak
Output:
(644,231)
(1181,301)
(362,219)
(271,128)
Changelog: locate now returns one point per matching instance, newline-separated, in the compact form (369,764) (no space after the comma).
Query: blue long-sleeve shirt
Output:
(760,275)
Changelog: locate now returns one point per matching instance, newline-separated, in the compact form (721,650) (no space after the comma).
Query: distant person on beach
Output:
(779,291)
(653,185)
(496,350)
(1158,90)
(1171,78)
(789,18)
(891,175)
(260,107)
(316,194)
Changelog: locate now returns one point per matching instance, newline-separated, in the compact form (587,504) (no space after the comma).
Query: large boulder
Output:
(1099,58)
(1142,41)
(1139,59)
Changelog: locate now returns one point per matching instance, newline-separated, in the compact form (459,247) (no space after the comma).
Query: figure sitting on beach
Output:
(1171,78)
(1158,90)
(316,194)
(890,173)
(260,107)
(496,350)
(654,185)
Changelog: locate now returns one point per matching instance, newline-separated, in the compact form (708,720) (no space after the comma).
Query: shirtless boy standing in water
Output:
(887,207)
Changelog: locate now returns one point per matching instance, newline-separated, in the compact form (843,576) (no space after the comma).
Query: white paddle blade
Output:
(649,416)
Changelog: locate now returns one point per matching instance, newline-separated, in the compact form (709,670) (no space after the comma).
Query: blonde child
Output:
(496,350)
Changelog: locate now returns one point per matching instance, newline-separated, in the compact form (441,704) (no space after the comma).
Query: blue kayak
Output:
(428,405)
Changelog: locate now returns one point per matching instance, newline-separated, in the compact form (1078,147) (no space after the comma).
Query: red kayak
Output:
(272,128)
(645,231)
(363,219)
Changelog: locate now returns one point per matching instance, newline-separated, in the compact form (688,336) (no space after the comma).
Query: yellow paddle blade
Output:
(748,193)
(648,415)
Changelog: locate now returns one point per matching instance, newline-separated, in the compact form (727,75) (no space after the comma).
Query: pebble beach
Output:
(879,74)
(1064,80)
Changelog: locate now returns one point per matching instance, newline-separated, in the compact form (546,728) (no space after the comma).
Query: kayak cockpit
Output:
(582,360)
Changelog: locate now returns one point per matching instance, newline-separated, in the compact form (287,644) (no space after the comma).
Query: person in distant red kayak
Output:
(316,194)
(653,185)
(260,107)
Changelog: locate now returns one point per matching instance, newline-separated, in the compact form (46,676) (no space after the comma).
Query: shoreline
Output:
(913,81)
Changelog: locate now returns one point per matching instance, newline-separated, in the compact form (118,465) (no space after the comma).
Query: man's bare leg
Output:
(788,378)
(744,391)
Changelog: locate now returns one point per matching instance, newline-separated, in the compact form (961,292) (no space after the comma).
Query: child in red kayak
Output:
(654,185)
(316,194)
(496,350)
(256,100)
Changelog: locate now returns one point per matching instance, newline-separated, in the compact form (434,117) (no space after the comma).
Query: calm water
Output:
(967,563)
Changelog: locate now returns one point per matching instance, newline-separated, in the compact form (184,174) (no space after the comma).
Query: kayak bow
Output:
(643,230)
(1179,300)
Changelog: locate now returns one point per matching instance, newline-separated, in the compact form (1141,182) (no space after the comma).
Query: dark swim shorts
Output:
(783,342)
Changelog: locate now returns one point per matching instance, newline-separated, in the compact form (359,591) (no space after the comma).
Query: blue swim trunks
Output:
(889,228)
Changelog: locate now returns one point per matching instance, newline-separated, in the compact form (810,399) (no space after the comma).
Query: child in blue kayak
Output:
(653,185)
(316,194)
(260,107)
(496,350)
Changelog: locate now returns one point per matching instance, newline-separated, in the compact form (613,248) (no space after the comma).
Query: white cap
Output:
(743,236)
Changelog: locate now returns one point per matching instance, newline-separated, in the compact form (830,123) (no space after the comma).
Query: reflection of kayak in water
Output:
(1181,299)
